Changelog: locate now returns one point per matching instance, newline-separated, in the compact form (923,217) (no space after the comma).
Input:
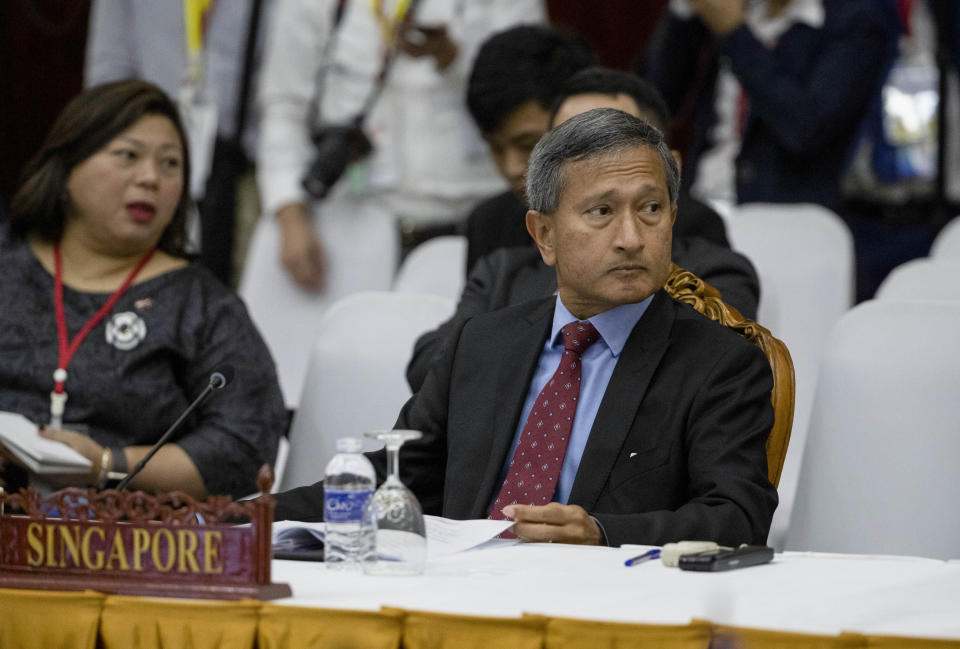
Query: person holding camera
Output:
(379,83)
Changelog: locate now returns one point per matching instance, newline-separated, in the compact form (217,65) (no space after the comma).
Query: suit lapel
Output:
(517,359)
(628,385)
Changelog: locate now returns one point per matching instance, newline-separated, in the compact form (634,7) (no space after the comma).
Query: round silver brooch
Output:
(126,330)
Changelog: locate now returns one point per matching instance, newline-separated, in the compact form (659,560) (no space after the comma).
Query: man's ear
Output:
(678,158)
(541,228)
(673,214)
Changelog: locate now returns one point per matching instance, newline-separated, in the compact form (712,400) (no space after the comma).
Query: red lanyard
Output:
(68,347)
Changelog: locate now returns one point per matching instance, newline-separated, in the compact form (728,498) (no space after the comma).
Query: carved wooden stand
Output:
(133,543)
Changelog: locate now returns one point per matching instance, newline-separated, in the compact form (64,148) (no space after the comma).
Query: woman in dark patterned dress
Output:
(107,331)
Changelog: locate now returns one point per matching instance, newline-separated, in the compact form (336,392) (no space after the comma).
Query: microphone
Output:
(222,378)
(218,380)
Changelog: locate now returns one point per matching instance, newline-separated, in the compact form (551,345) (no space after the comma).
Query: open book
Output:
(21,439)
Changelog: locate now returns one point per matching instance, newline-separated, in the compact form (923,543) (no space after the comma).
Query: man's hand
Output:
(720,16)
(300,250)
(554,522)
(418,41)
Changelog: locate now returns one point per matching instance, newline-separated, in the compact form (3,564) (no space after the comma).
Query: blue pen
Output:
(640,558)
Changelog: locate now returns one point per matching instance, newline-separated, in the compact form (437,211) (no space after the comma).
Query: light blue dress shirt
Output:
(596,367)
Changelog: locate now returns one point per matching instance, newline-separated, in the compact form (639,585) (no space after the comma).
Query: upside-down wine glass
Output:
(395,513)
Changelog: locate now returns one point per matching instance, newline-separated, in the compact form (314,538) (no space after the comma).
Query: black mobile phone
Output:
(429,30)
(723,559)
(420,34)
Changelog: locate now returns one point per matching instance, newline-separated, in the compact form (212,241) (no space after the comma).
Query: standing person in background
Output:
(897,185)
(786,85)
(107,332)
(427,163)
(206,54)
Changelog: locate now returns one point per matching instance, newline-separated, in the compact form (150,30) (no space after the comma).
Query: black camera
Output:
(337,146)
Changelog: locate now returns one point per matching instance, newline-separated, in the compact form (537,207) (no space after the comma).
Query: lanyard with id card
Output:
(196,99)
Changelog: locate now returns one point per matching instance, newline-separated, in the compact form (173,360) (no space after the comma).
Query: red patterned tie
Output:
(535,467)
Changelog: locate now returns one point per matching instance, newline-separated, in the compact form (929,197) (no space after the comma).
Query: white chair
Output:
(280,465)
(724,208)
(946,245)
(436,266)
(804,258)
(362,246)
(926,278)
(879,470)
(356,379)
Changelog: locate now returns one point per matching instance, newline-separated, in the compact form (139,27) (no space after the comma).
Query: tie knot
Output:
(577,336)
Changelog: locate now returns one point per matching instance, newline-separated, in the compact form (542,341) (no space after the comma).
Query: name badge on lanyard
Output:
(196,99)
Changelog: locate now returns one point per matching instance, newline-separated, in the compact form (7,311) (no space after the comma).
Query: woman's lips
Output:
(141,212)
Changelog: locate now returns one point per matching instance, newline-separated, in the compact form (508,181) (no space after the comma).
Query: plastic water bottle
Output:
(347,486)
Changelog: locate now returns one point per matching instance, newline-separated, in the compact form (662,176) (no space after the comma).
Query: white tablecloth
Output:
(800,592)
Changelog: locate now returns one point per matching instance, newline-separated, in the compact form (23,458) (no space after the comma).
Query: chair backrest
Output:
(280,464)
(361,244)
(879,472)
(804,258)
(355,379)
(684,286)
(436,266)
(926,278)
(946,245)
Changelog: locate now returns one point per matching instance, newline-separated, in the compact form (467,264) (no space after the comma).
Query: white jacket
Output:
(429,162)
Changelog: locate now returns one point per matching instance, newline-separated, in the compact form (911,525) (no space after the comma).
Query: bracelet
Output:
(119,460)
(106,460)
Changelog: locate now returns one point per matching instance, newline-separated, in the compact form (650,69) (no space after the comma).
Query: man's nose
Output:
(629,235)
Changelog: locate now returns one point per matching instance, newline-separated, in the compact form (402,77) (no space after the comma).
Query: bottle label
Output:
(344,506)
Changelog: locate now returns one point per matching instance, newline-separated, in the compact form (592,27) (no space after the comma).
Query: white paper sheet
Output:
(444,536)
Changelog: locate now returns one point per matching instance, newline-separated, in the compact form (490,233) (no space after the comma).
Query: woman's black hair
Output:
(87,123)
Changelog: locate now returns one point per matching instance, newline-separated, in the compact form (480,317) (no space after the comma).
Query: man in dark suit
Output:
(514,274)
(669,411)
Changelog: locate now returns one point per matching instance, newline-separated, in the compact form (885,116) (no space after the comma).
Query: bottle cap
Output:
(349,445)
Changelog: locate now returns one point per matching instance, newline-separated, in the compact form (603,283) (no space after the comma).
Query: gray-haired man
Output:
(648,428)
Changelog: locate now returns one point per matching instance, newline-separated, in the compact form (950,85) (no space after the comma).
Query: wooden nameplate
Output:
(133,543)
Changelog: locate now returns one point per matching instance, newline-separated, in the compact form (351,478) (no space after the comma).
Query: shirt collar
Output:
(614,326)
(768,30)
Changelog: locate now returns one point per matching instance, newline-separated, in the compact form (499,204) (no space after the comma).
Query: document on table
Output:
(297,536)
(444,536)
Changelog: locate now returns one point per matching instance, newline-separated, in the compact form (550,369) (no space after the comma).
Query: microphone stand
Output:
(217,381)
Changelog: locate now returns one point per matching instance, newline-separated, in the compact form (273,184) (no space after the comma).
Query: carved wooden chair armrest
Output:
(684,286)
